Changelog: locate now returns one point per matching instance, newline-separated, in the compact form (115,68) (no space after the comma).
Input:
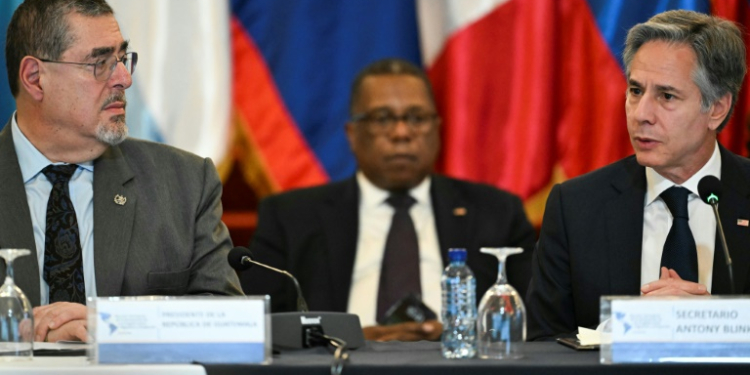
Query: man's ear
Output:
(719,111)
(30,77)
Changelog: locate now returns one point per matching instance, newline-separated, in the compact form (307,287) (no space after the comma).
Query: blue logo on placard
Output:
(106,319)
(620,316)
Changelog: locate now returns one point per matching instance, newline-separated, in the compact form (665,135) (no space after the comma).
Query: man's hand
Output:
(60,321)
(409,331)
(74,330)
(671,284)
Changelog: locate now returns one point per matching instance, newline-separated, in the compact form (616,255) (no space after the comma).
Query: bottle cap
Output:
(457,255)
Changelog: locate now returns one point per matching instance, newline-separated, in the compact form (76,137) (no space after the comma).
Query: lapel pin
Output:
(459,211)
(119,199)
(743,222)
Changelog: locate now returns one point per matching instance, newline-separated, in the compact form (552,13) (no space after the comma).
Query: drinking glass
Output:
(16,316)
(501,324)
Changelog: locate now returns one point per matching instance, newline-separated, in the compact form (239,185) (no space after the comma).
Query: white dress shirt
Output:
(375,217)
(38,189)
(657,220)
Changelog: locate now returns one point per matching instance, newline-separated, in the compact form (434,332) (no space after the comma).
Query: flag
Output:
(736,135)
(294,63)
(182,84)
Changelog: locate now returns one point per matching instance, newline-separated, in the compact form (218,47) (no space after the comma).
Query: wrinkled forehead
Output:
(668,47)
(94,36)
(677,61)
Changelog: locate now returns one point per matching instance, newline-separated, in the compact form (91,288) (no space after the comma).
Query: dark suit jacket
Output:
(313,234)
(168,238)
(591,238)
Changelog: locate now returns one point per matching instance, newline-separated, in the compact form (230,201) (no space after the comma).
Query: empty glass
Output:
(16,315)
(501,324)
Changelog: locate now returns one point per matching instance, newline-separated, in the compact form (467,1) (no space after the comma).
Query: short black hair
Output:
(390,66)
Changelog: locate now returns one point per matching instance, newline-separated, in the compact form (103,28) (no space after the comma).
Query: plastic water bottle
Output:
(459,307)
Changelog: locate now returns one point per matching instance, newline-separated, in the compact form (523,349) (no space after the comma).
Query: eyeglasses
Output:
(382,122)
(103,69)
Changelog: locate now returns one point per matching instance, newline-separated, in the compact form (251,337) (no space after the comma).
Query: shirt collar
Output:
(30,159)
(657,184)
(373,196)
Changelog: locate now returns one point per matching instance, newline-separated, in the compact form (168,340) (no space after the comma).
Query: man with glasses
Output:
(106,215)
(364,244)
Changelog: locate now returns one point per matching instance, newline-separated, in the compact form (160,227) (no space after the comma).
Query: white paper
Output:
(589,336)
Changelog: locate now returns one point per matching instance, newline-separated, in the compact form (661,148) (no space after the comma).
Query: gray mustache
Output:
(116,98)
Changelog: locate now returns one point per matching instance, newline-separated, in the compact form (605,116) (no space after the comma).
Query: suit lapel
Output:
(624,216)
(113,222)
(453,215)
(733,205)
(340,219)
(16,229)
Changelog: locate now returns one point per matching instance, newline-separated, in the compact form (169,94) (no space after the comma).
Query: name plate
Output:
(674,329)
(157,329)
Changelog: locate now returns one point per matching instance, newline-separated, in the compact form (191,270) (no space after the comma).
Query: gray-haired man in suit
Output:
(638,226)
(104,215)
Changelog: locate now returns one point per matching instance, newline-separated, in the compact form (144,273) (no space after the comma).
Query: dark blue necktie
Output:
(399,272)
(63,258)
(679,250)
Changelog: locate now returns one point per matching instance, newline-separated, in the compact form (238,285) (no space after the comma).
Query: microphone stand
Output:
(303,328)
(301,304)
(724,246)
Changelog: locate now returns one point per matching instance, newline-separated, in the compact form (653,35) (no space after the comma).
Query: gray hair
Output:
(39,28)
(717,44)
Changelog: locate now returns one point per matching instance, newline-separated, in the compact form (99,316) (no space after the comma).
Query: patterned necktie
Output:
(399,273)
(63,258)
(679,250)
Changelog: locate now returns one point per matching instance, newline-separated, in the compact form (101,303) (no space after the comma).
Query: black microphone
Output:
(303,329)
(241,258)
(710,189)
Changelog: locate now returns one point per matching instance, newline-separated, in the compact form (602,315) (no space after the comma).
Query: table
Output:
(387,358)
(80,366)
(418,358)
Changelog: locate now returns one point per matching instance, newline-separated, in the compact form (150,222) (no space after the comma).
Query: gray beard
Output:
(114,132)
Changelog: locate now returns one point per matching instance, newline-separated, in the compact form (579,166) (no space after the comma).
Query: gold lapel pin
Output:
(459,211)
(119,199)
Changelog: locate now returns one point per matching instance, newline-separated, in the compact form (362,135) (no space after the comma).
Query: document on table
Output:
(589,336)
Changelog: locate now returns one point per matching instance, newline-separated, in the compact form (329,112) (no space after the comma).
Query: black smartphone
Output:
(408,309)
(573,342)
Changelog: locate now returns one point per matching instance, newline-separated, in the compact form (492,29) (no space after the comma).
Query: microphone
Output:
(241,258)
(304,329)
(710,190)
